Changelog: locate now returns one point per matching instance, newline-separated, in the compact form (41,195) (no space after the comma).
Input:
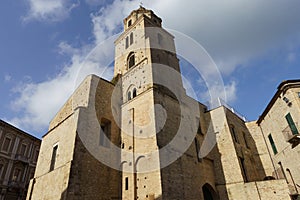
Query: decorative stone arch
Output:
(130,92)
(137,160)
(209,192)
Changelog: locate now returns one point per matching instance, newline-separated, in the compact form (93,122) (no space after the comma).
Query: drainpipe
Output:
(282,170)
(288,170)
(257,190)
(133,160)
(31,190)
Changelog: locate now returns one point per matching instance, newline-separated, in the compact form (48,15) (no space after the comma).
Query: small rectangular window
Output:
(126,183)
(272,144)
(234,134)
(245,139)
(131,38)
(126,42)
(291,123)
(53,159)
(23,149)
(105,133)
(6,144)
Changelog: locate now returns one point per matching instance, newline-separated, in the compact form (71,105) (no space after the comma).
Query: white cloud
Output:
(108,20)
(49,10)
(37,103)
(211,95)
(98,2)
(233,32)
(7,78)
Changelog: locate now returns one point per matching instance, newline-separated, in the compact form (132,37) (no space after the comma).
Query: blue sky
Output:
(255,44)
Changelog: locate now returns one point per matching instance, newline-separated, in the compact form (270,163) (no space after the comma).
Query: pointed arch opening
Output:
(129,95)
(134,92)
(208,192)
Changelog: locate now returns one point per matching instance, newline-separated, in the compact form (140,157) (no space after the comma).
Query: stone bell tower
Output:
(141,52)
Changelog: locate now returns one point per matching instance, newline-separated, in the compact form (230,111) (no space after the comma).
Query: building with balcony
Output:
(18,157)
(279,125)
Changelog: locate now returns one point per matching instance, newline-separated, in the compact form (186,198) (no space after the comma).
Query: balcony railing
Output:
(290,136)
(22,158)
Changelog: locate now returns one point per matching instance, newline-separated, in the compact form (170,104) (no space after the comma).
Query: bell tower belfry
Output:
(140,50)
(143,36)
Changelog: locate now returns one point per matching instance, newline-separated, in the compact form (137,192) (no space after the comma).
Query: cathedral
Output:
(140,136)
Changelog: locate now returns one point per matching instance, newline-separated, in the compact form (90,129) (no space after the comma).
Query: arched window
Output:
(126,42)
(131,38)
(208,192)
(129,96)
(131,60)
(134,93)
(129,23)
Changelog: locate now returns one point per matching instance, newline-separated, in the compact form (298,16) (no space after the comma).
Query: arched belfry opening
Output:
(130,60)
(134,92)
(129,23)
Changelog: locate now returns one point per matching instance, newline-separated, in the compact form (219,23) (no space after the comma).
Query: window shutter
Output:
(291,123)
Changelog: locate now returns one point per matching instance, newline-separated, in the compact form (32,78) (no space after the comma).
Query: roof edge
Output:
(281,88)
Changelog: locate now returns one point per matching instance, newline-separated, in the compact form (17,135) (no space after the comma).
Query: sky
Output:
(254,44)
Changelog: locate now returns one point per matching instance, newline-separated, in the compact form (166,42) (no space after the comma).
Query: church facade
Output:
(140,136)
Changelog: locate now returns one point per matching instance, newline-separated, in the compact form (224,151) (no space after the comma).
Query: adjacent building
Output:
(140,136)
(279,126)
(18,156)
